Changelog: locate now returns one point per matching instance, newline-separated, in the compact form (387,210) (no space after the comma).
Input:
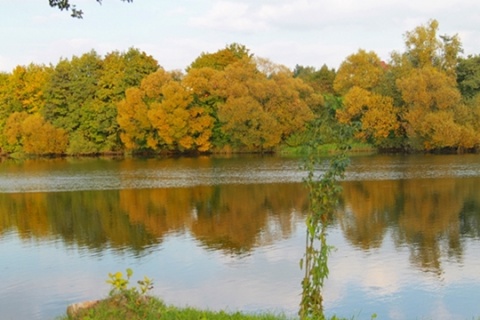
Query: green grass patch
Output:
(329,149)
(119,308)
(127,302)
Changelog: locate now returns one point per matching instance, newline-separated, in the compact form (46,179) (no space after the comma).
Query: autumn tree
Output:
(372,113)
(359,79)
(136,132)
(31,134)
(362,69)
(427,82)
(236,112)
(222,58)
(203,78)
(159,115)
(23,90)
(261,110)
(121,70)
(179,124)
(203,84)
(425,48)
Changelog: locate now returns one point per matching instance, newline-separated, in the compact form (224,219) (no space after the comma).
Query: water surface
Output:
(228,233)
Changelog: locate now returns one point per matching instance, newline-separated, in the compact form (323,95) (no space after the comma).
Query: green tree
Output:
(83,93)
(320,80)
(71,94)
(72,86)
(468,76)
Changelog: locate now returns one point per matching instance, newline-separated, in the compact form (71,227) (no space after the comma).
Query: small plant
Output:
(129,297)
(120,285)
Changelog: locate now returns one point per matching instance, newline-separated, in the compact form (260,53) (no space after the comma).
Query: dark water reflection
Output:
(228,233)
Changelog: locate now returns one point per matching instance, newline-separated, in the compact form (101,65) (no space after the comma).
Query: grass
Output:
(329,149)
(133,302)
(149,308)
(121,307)
(118,308)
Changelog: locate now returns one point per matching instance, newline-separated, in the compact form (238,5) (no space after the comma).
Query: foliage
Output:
(160,115)
(222,58)
(66,5)
(81,97)
(424,48)
(362,69)
(21,135)
(375,114)
(321,80)
(424,99)
(120,285)
(468,76)
(124,301)
(324,192)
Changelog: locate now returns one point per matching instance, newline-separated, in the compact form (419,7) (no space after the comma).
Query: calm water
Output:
(228,233)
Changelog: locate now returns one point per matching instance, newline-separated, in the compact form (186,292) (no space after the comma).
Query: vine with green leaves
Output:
(324,191)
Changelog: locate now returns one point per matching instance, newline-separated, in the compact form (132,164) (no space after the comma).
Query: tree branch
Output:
(67,6)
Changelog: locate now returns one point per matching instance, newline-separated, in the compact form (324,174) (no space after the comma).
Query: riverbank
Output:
(154,308)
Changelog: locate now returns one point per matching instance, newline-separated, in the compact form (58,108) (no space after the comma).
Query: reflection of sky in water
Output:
(361,283)
(382,281)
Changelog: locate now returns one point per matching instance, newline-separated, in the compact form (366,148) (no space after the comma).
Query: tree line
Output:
(425,98)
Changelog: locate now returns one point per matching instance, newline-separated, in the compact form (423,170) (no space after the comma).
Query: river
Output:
(228,233)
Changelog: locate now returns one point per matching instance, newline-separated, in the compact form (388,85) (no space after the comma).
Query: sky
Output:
(176,32)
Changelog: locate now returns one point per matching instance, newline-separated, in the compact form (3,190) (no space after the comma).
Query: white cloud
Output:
(230,16)
(290,32)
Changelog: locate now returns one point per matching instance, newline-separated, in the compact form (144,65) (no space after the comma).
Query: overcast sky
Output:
(175,32)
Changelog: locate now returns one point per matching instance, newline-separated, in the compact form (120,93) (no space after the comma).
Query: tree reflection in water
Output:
(429,216)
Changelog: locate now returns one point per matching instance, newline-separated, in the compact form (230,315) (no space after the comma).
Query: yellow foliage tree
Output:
(31,134)
(362,69)
(263,104)
(160,114)
(41,137)
(430,99)
(375,112)
(135,127)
